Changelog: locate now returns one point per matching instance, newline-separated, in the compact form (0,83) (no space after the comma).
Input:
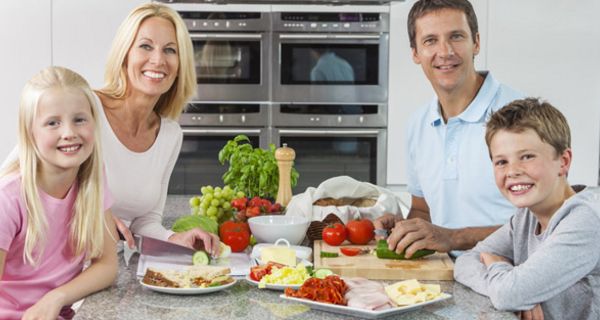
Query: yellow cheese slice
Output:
(409,292)
(278,254)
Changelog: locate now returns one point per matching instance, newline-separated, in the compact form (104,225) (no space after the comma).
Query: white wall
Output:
(544,48)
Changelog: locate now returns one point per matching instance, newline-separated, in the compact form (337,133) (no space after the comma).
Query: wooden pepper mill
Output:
(285,158)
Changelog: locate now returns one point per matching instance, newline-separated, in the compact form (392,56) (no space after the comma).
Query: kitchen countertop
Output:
(127,299)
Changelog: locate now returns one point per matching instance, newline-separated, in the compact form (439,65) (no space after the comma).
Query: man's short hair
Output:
(531,113)
(423,7)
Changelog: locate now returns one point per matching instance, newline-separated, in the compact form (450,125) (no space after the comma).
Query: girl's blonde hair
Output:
(171,103)
(87,223)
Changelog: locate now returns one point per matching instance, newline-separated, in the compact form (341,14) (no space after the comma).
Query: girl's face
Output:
(63,129)
(528,171)
(153,59)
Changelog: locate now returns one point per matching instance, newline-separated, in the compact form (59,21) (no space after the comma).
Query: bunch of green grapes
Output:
(215,203)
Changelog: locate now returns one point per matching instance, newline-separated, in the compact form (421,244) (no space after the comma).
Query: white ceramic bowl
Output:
(267,229)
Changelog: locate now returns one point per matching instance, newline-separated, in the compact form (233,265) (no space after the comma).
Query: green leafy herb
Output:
(251,170)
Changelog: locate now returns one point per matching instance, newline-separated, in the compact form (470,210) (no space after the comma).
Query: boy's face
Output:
(445,48)
(528,172)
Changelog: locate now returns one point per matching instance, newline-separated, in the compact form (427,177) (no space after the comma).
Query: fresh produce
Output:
(235,234)
(251,170)
(350,251)
(360,231)
(254,207)
(200,258)
(334,234)
(322,273)
(215,202)
(383,252)
(186,223)
(258,272)
(326,254)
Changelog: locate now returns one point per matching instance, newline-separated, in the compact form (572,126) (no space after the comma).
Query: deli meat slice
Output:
(366,294)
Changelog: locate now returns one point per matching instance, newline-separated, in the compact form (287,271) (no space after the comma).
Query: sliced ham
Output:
(366,294)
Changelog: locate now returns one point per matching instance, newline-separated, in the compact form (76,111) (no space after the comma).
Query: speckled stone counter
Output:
(127,299)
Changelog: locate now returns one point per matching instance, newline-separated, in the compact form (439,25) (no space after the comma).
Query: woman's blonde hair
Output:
(87,224)
(171,103)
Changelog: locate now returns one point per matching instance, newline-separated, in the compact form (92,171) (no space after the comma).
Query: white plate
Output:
(270,286)
(189,291)
(363,313)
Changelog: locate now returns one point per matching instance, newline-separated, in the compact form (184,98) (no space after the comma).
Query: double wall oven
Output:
(312,78)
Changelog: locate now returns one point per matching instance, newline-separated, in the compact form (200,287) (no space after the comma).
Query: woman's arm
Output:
(101,274)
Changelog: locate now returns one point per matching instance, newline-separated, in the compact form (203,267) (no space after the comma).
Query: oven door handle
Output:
(225,36)
(196,131)
(309,36)
(329,132)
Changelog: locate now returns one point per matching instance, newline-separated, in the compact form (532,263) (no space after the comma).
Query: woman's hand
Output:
(534,314)
(489,258)
(46,308)
(197,239)
(125,232)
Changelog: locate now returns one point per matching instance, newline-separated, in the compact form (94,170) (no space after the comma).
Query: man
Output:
(455,202)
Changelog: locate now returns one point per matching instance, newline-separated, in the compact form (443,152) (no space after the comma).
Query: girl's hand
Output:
(488,258)
(125,232)
(47,308)
(197,239)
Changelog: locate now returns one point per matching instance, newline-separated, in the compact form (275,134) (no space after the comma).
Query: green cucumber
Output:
(200,258)
(383,252)
(323,273)
(325,254)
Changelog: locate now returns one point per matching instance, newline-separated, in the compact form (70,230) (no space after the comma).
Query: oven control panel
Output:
(373,22)
(225,21)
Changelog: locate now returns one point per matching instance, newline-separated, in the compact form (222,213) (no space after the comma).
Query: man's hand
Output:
(125,232)
(489,258)
(48,307)
(197,239)
(385,222)
(414,234)
(534,314)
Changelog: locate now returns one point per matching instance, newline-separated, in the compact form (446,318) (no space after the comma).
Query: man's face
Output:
(445,49)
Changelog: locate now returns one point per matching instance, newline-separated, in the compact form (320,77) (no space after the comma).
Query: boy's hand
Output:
(534,314)
(47,308)
(489,258)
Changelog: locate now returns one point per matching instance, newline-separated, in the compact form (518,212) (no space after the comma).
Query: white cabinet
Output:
(543,48)
(25,38)
(82,33)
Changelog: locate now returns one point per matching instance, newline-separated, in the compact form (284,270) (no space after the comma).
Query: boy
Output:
(545,261)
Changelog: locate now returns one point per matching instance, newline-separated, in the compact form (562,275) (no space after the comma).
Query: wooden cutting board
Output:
(438,266)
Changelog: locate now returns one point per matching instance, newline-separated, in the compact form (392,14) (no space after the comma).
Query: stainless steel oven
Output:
(206,129)
(231,51)
(333,139)
(330,56)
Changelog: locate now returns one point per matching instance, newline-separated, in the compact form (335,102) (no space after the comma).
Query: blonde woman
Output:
(54,206)
(149,77)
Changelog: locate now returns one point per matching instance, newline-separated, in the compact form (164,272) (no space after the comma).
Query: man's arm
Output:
(417,232)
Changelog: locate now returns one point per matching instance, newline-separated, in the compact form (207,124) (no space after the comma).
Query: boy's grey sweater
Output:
(559,268)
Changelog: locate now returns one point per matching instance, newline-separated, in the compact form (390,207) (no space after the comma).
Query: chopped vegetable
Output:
(200,258)
(325,254)
(323,273)
(383,252)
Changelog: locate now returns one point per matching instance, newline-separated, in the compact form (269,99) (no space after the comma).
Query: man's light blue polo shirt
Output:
(449,165)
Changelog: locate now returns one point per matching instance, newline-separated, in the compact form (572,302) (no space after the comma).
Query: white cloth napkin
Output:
(344,187)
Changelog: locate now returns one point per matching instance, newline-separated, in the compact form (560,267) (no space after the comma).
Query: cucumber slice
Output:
(200,258)
(323,273)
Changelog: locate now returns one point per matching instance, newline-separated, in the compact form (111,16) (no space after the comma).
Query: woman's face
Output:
(153,59)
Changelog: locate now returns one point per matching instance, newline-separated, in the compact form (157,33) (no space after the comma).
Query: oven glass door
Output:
(323,154)
(198,163)
(324,67)
(230,66)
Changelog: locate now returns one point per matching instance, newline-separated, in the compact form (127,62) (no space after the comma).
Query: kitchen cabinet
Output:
(26,47)
(546,49)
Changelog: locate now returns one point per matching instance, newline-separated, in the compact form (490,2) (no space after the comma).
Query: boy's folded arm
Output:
(565,257)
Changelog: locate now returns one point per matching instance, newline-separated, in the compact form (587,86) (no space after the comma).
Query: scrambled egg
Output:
(285,276)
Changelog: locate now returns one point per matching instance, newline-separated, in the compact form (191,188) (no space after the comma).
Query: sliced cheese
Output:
(409,292)
(279,254)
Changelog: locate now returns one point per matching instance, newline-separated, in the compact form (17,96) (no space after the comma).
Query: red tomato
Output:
(256,273)
(239,203)
(334,234)
(350,251)
(276,207)
(360,231)
(235,234)
(252,212)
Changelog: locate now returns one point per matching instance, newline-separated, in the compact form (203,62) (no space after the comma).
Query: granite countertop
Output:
(127,299)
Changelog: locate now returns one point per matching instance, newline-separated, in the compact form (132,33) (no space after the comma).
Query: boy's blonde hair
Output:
(87,223)
(531,113)
(171,103)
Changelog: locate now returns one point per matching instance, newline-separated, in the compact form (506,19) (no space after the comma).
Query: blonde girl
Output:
(54,205)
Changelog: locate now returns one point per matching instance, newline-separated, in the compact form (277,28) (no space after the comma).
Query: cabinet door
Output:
(551,49)
(25,38)
(409,89)
(82,33)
